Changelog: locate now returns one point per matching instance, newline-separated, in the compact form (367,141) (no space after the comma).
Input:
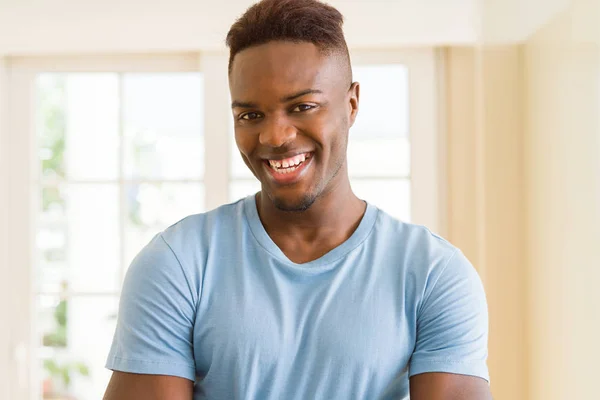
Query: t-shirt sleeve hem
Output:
(152,367)
(476,368)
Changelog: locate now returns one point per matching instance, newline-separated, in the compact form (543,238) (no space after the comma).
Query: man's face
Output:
(292,109)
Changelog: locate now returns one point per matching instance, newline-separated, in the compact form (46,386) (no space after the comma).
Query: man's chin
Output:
(292,204)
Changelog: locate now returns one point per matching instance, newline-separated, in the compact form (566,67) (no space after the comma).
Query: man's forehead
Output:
(281,64)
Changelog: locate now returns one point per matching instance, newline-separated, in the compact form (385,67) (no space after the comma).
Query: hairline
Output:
(325,50)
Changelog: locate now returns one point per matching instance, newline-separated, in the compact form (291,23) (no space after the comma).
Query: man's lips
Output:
(289,168)
(288,161)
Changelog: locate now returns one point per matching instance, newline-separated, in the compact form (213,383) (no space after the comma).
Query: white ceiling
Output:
(94,26)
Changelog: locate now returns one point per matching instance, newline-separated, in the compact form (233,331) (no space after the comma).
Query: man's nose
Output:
(276,132)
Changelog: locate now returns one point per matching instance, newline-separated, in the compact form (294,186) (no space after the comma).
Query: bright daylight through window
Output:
(121,156)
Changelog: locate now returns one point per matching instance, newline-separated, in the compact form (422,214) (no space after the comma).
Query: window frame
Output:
(424,128)
(18,163)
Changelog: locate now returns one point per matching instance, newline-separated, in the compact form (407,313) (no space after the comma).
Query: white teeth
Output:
(297,159)
(287,165)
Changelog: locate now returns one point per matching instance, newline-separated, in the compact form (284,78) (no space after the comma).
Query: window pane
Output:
(238,168)
(74,337)
(379,157)
(243,188)
(78,238)
(390,195)
(163,123)
(78,125)
(379,140)
(51,124)
(383,110)
(153,207)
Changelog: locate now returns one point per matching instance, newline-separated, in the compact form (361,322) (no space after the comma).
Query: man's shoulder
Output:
(414,241)
(225,216)
(186,243)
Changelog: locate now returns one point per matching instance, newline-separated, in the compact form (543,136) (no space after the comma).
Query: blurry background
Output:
(478,118)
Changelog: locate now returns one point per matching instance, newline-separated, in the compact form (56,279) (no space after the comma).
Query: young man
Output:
(303,291)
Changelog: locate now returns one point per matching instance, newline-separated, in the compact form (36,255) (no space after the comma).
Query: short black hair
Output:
(288,20)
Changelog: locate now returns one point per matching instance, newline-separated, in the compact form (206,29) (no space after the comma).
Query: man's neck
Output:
(330,220)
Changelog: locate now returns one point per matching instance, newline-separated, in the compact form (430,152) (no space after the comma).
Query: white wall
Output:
(16,164)
(511,21)
(562,151)
(94,26)
(4,302)
(484,108)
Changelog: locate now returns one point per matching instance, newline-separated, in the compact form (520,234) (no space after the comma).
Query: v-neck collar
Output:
(358,237)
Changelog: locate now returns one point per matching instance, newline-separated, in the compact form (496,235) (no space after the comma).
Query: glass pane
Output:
(379,157)
(154,207)
(239,169)
(78,238)
(383,110)
(74,337)
(390,195)
(379,140)
(78,125)
(51,124)
(163,123)
(243,188)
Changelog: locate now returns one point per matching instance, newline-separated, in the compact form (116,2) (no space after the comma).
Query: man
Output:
(303,291)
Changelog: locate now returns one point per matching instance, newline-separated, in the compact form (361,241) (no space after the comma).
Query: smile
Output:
(288,170)
(288,165)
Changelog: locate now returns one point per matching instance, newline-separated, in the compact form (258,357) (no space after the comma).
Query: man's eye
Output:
(303,107)
(250,116)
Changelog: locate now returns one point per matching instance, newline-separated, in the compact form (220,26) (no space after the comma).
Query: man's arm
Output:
(449,360)
(126,386)
(444,386)
(152,351)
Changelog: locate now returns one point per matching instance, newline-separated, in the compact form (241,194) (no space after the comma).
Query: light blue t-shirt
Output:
(214,300)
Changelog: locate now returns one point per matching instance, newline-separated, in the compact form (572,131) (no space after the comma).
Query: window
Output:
(121,158)
(106,152)
(379,147)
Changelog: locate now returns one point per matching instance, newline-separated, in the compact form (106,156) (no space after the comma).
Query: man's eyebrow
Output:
(300,94)
(241,104)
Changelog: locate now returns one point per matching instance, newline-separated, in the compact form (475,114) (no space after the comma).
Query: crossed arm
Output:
(428,386)
(452,325)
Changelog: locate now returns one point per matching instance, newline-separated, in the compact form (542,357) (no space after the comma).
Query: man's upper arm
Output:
(126,386)
(155,323)
(452,333)
(444,386)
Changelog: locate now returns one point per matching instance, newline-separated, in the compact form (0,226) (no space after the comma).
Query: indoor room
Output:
(478,119)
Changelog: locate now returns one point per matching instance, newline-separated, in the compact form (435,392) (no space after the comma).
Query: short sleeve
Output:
(156,316)
(452,322)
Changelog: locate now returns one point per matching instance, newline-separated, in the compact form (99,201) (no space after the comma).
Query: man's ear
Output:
(353,98)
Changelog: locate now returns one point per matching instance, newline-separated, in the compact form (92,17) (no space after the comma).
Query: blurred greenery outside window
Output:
(160,153)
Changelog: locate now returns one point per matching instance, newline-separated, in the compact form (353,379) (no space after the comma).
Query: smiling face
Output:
(292,107)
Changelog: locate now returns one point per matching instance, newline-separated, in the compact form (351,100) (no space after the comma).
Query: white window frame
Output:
(18,162)
(426,155)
